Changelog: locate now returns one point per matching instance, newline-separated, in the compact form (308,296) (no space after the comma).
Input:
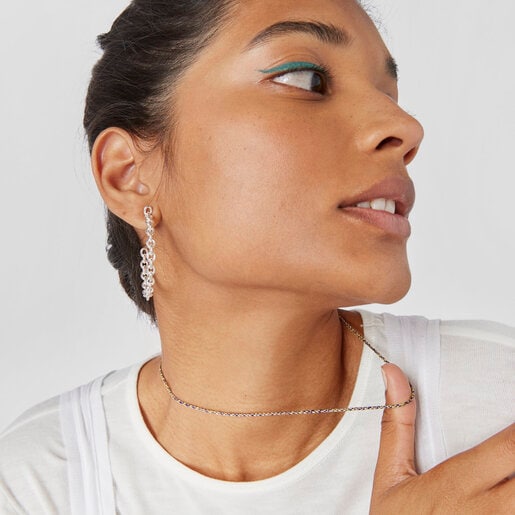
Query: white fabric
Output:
(416,341)
(463,377)
(84,431)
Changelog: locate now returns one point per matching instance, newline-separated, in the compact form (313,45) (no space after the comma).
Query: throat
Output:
(242,449)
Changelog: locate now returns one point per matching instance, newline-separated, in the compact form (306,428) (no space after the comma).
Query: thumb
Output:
(396,459)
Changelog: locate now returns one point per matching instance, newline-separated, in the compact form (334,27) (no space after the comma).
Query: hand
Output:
(473,482)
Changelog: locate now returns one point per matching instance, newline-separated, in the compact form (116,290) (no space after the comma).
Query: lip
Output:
(397,188)
(397,225)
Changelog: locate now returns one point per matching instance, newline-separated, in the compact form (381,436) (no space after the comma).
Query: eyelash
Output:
(322,70)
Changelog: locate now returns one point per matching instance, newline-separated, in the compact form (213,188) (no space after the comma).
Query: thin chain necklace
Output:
(294,412)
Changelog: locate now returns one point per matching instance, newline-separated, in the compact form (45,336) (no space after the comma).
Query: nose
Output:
(392,132)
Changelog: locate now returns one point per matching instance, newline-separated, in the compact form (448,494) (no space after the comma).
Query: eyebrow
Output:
(322,31)
(326,33)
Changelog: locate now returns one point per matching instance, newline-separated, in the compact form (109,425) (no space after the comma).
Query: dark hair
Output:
(149,46)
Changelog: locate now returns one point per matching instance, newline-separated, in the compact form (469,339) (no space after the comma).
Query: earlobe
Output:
(115,161)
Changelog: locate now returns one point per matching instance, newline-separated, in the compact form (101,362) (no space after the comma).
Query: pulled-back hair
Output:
(149,46)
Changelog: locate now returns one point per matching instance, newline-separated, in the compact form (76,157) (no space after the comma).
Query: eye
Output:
(307,76)
(304,79)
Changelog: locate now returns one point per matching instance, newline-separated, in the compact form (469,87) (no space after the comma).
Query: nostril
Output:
(391,141)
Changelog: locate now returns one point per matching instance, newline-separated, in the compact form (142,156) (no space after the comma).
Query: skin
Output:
(253,256)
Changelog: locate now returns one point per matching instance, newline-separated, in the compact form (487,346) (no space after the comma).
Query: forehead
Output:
(232,56)
(249,17)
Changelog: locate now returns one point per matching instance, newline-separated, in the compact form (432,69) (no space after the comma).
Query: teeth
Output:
(379,204)
(390,206)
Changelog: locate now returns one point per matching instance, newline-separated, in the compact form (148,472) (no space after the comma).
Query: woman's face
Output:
(264,155)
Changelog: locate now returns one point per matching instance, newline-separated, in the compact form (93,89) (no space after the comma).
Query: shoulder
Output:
(477,383)
(38,424)
(479,352)
(32,458)
(447,330)
(478,358)
(33,451)
(486,331)
(468,361)
(465,346)
(461,369)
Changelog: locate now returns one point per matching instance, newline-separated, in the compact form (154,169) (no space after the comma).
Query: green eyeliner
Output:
(294,65)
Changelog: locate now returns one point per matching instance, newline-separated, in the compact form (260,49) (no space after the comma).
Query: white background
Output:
(66,320)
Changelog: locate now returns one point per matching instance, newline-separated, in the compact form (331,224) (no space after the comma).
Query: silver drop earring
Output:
(148,257)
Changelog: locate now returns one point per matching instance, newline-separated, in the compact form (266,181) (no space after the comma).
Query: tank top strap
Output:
(414,345)
(84,431)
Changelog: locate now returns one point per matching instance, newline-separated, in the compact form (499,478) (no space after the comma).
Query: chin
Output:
(384,284)
(395,290)
(386,288)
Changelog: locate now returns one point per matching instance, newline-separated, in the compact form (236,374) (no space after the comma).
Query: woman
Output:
(256,153)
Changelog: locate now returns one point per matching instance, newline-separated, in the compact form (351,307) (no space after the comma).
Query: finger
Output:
(396,459)
(486,464)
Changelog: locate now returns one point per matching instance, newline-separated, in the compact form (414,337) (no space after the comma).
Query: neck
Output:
(253,361)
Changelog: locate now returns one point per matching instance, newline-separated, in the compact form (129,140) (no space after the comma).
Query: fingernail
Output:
(384,379)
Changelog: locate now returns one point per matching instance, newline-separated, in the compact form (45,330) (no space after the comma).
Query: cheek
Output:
(252,189)
(255,202)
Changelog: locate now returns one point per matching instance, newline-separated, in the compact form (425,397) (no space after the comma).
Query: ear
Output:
(126,176)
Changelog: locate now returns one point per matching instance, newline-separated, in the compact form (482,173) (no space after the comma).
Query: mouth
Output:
(394,195)
(380,204)
(386,205)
